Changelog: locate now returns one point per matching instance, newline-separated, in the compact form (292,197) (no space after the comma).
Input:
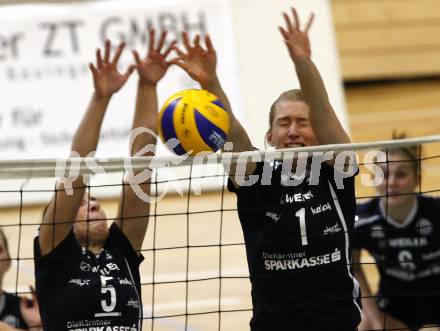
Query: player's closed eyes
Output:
(303,123)
(283,123)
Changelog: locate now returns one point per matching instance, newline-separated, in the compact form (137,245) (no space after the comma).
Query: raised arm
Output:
(323,119)
(61,211)
(200,64)
(134,210)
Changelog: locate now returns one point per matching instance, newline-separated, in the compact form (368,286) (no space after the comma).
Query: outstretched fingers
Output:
(309,23)
(118,53)
(93,69)
(179,53)
(284,33)
(163,36)
(289,25)
(169,49)
(152,40)
(99,61)
(295,25)
(296,22)
(209,46)
(136,56)
(180,63)
(197,41)
(186,43)
(107,48)
(129,71)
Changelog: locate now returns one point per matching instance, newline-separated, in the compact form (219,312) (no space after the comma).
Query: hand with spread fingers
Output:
(296,40)
(199,63)
(153,67)
(106,77)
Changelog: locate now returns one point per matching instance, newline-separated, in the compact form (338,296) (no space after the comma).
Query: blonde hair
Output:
(414,153)
(290,95)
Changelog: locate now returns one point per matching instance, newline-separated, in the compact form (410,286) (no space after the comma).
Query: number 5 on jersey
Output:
(108,305)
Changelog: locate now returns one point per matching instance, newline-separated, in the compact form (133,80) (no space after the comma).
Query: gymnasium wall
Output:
(387,38)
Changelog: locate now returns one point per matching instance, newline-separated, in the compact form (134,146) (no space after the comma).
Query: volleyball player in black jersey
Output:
(401,230)
(16,313)
(297,237)
(87,275)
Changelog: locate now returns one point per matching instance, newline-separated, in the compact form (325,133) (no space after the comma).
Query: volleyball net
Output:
(195,274)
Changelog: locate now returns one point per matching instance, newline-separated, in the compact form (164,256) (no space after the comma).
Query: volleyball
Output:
(193,121)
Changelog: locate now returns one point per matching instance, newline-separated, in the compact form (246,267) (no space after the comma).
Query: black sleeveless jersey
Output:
(298,249)
(10,312)
(407,254)
(78,290)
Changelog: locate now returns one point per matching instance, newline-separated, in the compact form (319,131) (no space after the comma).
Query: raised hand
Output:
(30,311)
(199,63)
(106,77)
(296,40)
(153,67)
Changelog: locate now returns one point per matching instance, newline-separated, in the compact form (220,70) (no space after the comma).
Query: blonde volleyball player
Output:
(87,275)
(297,237)
(400,229)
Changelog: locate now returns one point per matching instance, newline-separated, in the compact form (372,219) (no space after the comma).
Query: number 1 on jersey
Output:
(301,214)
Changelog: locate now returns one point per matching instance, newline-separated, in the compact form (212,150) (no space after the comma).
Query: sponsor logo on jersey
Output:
(320,208)
(108,268)
(104,271)
(80,282)
(281,256)
(408,275)
(377,232)
(125,281)
(87,323)
(297,197)
(85,266)
(274,216)
(300,263)
(407,242)
(112,266)
(275,164)
(97,325)
(406,260)
(133,303)
(424,226)
(332,229)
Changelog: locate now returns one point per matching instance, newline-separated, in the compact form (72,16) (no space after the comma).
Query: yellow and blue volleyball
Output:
(193,121)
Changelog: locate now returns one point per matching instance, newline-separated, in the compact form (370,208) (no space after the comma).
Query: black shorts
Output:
(414,311)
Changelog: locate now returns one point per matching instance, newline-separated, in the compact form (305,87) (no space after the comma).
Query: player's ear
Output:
(269,137)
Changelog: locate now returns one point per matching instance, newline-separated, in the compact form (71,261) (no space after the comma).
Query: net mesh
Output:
(195,274)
